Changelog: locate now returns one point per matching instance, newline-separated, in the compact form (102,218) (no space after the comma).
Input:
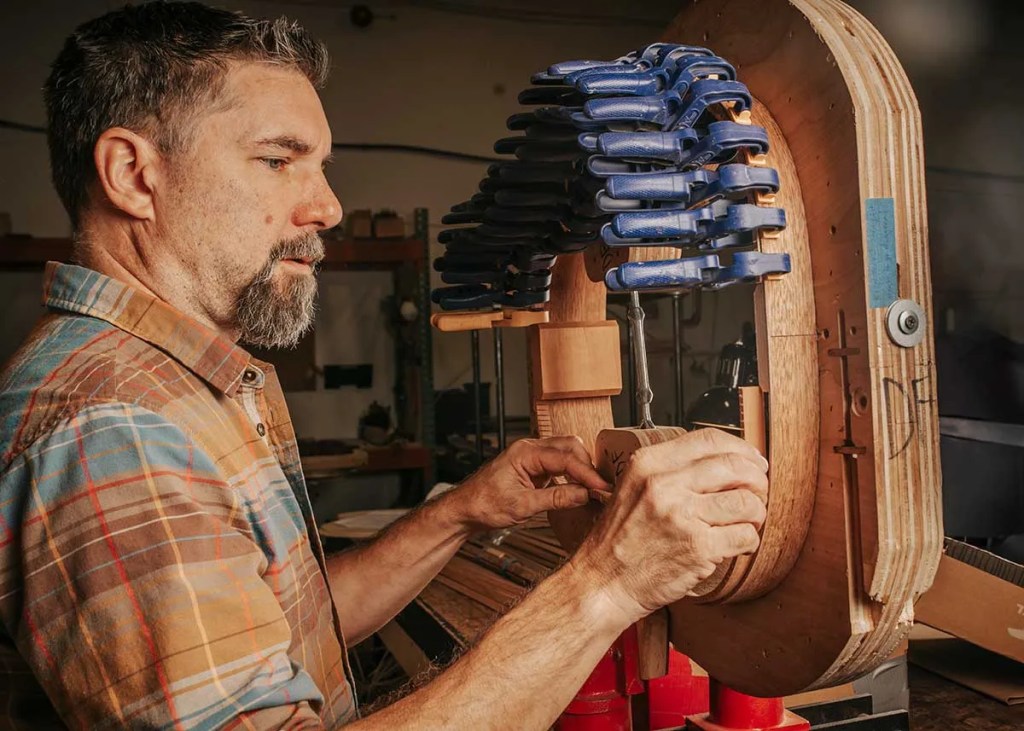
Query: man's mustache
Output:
(308,247)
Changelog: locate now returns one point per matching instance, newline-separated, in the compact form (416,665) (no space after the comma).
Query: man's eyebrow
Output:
(299,147)
(286,142)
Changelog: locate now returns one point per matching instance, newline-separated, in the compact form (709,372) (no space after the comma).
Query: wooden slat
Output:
(406,652)
(579,299)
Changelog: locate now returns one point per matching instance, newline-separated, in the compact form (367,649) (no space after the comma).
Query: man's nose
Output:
(321,208)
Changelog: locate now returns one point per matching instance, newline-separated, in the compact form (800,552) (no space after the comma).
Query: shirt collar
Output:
(208,354)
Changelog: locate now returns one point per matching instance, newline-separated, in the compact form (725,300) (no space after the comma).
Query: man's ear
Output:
(127,167)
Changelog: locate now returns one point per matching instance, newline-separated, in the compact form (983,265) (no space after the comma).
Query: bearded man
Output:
(159,566)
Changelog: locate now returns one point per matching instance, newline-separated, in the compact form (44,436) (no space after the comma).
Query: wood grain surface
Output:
(558,350)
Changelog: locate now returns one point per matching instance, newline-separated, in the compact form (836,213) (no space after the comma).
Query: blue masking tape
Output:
(881,229)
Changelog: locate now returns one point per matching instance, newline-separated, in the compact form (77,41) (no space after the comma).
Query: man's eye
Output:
(274,163)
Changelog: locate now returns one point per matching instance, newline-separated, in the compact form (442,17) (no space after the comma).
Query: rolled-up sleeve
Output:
(134,587)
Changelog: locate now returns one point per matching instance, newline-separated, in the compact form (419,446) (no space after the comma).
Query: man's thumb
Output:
(559,497)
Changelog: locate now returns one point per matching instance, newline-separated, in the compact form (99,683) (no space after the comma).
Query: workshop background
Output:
(445,75)
(442,76)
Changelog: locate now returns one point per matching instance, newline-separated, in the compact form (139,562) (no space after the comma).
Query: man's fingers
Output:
(731,506)
(571,444)
(711,475)
(558,497)
(729,541)
(698,444)
(550,461)
(726,472)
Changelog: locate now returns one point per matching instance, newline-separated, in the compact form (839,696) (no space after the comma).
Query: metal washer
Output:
(906,323)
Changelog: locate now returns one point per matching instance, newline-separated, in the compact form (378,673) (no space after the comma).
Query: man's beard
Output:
(270,318)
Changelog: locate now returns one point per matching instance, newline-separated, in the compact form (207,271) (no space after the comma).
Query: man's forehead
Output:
(253,75)
(271,102)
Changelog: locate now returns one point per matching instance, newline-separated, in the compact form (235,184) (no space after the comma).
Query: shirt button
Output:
(261,430)
(249,376)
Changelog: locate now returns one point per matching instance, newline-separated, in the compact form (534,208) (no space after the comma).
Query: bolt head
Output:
(909,323)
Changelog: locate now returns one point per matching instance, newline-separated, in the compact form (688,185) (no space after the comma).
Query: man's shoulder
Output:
(72,362)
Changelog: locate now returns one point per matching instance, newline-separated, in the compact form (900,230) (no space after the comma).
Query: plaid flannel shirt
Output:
(159,565)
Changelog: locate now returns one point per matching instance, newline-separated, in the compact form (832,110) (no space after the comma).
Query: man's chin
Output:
(276,312)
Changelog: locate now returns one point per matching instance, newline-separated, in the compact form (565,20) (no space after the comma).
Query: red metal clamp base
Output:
(734,711)
(677,695)
(602,704)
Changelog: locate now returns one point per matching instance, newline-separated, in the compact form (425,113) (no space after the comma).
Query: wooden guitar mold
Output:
(854,530)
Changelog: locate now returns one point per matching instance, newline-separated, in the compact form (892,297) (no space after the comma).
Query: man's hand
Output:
(680,508)
(506,491)
(514,486)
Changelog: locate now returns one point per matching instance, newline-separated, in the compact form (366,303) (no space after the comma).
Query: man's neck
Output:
(119,255)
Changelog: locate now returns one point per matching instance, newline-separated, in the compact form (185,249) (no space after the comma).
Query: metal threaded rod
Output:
(499,383)
(644,394)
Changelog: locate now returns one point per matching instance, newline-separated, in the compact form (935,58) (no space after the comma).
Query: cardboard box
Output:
(976,596)
(969,665)
(388,225)
(360,224)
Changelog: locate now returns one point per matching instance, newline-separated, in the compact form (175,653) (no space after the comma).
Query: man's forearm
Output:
(526,669)
(372,583)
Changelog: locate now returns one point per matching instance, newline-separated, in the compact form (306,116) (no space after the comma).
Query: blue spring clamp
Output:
(654,54)
(714,226)
(682,148)
(673,273)
(669,109)
(705,272)
(480,296)
(690,189)
(630,81)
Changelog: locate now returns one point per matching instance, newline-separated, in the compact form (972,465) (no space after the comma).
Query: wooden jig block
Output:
(575,360)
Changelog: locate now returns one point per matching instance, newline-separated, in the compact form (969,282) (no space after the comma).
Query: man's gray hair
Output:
(154,69)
